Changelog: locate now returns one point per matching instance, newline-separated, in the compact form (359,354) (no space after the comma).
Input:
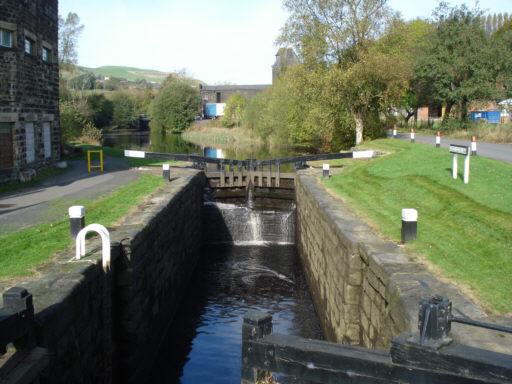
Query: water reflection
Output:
(157,141)
(204,342)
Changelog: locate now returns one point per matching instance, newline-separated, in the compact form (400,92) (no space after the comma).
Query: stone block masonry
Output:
(365,289)
(29,87)
(107,328)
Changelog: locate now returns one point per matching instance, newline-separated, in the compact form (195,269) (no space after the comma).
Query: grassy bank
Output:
(22,251)
(213,134)
(465,231)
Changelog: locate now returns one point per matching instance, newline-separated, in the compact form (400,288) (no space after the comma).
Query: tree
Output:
(176,105)
(336,35)
(70,30)
(101,110)
(406,41)
(459,64)
(123,109)
(333,31)
(234,110)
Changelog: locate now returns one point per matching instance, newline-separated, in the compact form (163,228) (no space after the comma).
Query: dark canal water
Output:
(249,262)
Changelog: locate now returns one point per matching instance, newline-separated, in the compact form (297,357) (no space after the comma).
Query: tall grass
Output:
(213,134)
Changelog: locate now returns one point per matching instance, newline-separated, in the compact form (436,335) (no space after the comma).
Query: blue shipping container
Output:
(211,110)
(494,117)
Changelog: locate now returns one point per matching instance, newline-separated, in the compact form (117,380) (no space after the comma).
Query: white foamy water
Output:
(242,225)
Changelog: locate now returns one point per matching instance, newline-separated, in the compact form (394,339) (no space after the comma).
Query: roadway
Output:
(50,200)
(501,152)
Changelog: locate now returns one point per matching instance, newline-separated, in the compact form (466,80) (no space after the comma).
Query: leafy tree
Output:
(176,105)
(234,110)
(101,109)
(71,121)
(336,36)
(123,109)
(459,64)
(112,84)
(82,82)
(333,31)
(406,41)
(70,30)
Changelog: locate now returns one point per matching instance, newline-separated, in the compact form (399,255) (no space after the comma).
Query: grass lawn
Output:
(23,250)
(465,230)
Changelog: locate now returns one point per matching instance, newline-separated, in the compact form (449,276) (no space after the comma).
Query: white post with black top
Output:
(460,150)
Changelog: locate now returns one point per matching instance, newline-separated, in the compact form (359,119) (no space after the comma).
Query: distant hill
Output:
(128,73)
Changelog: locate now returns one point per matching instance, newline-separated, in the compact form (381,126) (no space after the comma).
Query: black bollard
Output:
(76,219)
(409,225)
(166,171)
(326,171)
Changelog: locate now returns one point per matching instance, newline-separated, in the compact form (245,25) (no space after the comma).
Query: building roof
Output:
(258,87)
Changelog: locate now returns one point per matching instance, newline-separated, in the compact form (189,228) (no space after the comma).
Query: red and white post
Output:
(438,139)
(412,135)
(394,131)
(473,146)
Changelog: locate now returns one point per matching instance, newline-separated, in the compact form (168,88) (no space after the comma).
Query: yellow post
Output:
(89,166)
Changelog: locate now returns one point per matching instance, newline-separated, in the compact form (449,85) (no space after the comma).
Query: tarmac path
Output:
(502,152)
(50,200)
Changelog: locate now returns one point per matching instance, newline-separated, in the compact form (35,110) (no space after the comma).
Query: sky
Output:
(218,42)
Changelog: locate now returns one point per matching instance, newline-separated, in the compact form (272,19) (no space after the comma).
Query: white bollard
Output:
(326,171)
(166,172)
(76,219)
(438,139)
(473,146)
(394,131)
(409,224)
(412,135)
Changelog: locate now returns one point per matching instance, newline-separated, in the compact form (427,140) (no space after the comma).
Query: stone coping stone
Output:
(57,279)
(401,275)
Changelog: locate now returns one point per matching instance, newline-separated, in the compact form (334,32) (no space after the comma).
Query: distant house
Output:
(29,82)
(219,94)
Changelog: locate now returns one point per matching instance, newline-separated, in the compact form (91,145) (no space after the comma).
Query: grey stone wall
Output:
(99,326)
(29,85)
(366,290)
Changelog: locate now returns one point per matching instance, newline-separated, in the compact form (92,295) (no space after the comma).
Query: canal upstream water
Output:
(249,262)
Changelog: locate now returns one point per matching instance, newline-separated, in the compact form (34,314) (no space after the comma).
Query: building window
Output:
(46,54)
(5,38)
(30,46)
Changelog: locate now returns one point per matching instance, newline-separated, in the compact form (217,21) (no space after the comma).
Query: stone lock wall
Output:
(365,289)
(105,327)
(160,249)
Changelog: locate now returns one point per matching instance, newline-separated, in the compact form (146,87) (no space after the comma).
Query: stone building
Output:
(285,57)
(215,94)
(29,87)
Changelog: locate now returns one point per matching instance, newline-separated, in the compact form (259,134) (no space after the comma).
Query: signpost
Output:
(460,150)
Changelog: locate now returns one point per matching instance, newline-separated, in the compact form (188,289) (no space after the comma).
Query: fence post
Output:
(256,325)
